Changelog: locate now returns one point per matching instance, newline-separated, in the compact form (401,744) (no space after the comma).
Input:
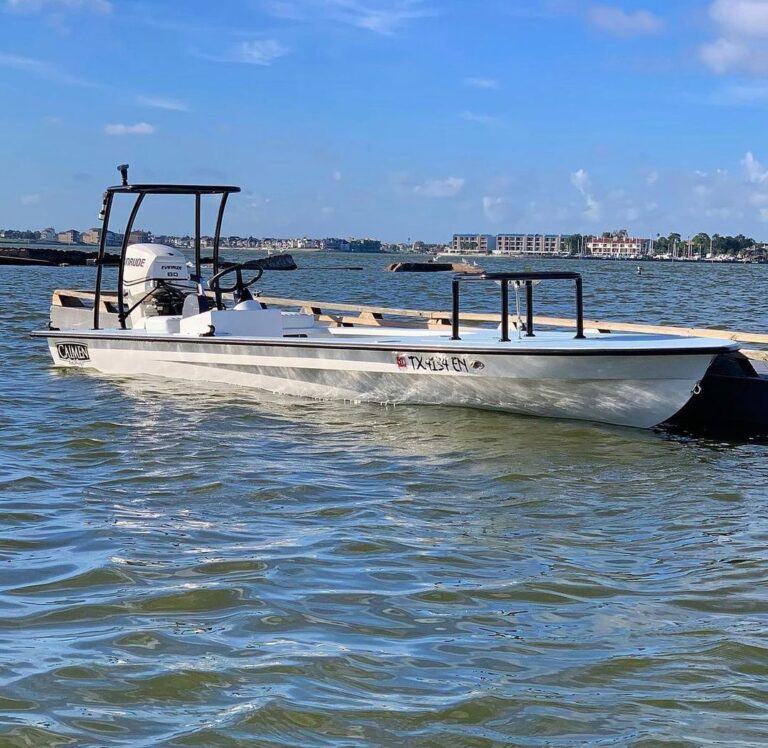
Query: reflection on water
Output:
(188,565)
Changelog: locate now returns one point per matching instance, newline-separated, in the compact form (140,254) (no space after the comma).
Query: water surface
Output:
(185,565)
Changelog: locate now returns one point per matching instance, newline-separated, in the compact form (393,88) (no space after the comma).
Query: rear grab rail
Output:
(519,279)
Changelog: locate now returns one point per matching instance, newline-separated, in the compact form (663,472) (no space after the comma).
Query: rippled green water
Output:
(191,566)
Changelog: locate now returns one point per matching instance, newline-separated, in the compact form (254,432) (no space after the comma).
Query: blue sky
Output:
(392,118)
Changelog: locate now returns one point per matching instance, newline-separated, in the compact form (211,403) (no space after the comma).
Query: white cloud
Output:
(379,16)
(254,52)
(42,69)
(158,102)
(622,23)
(449,187)
(759,198)
(30,199)
(581,181)
(725,54)
(260,51)
(651,178)
(482,83)
(592,208)
(742,26)
(34,6)
(336,176)
(496,208)
(140,128)
(741,17)
(756,172)
(485,119)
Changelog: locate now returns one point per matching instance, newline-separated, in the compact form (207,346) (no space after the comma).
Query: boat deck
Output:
(542,339)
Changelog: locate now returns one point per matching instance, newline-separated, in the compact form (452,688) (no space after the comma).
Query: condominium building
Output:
(364,245)
(528,244)
(617,246)
(473,244)
(93,236)
(334,244)
(137,236)
(68,237)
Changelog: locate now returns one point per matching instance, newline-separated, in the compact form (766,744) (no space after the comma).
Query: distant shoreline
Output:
(85,254)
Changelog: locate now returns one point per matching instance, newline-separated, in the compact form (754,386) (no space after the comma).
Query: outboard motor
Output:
(155,281)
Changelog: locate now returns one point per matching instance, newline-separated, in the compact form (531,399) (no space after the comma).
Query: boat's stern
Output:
(67,351)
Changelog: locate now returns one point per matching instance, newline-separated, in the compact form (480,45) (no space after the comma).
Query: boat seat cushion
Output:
(262,323)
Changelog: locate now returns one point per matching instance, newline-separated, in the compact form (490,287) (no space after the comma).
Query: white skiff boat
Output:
(164,321)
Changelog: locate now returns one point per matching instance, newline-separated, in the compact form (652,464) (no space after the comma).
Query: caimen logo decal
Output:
(73,352)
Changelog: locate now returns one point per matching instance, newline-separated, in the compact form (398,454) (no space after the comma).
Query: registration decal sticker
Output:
(438,364)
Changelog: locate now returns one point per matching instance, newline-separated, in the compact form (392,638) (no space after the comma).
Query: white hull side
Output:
(629,390)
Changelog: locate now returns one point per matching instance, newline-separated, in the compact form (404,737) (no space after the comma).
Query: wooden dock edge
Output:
(374,315)
(443,317)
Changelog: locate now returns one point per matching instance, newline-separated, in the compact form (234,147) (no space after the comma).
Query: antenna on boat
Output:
(123,169)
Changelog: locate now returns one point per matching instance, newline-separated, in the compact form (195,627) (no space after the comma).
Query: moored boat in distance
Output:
(165,321)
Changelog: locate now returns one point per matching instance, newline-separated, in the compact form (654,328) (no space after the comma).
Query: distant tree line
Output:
(701,244)
(28,235)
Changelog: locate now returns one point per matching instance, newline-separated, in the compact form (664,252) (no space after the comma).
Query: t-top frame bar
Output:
(520,278)
(141,191)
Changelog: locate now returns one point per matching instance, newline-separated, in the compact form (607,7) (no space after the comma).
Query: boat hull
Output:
(639,389)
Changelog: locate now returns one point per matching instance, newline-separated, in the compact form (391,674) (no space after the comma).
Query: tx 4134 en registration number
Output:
(438,364)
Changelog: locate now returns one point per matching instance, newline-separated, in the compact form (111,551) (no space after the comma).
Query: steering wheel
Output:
(239,285)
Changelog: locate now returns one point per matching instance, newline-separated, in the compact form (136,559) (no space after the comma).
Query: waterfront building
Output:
(93,236)
(617,246)
(68,237)
(306,243)
(137,236)
(364,245)
(472,244)
(334,244)
(528,244)
(48,235)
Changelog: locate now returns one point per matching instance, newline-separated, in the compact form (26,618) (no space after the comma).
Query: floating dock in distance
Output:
(46,256)
(283,261)
(434,267)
